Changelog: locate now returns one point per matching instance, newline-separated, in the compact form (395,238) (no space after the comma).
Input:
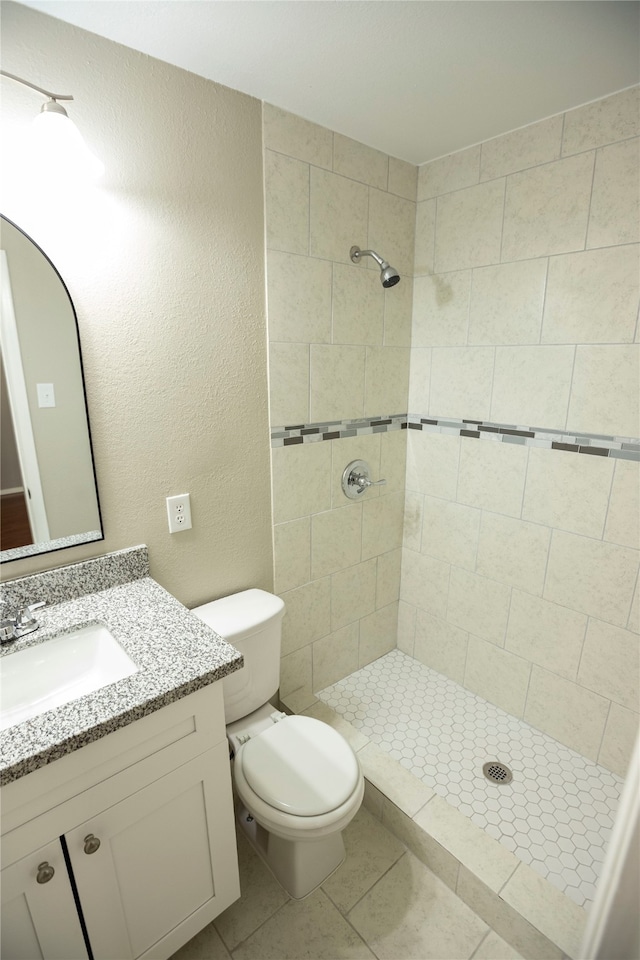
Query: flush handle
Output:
(91,844)
(356,479)
(45,872)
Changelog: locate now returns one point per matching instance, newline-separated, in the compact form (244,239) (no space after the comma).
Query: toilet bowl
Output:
(297,781)
(299,785)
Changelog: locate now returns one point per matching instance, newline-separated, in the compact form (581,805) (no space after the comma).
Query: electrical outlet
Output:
(179,513)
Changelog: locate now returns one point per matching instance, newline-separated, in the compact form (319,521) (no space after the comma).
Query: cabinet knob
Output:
(91,843)
(45,872)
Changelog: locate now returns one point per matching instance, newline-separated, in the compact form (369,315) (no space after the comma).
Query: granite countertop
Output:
(176,654)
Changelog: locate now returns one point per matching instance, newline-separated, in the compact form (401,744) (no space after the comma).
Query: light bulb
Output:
(61,149)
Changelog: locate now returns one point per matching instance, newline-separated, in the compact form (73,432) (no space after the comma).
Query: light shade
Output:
(60,147)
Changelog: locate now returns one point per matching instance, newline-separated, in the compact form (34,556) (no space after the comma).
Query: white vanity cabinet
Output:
(39,916)
(144,818)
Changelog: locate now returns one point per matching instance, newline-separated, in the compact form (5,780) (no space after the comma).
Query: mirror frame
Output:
(92,536)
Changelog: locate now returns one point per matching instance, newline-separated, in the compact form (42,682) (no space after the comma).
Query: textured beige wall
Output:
(520,566)
(164,262)
(339,349)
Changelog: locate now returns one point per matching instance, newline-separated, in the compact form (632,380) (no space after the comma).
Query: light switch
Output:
(46,395)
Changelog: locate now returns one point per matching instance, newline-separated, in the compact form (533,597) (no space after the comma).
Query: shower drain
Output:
(497,772)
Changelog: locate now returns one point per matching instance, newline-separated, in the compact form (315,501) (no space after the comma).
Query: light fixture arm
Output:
(62,142)
(47,93)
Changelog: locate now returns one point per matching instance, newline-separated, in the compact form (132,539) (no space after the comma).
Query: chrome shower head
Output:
(389,276)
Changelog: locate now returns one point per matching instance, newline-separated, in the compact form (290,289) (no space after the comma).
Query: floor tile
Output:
(412,915)
(311,929)
(494,947)
(261,896)
(371,851)
(206,945)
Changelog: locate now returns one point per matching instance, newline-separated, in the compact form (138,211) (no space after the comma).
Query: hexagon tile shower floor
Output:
(557,812)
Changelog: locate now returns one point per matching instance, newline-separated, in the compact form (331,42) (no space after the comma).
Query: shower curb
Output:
(527,911)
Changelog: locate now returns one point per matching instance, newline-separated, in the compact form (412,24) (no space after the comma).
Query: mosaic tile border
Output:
(336,429)
(592,444)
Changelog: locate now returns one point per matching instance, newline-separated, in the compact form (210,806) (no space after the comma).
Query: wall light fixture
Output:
(57,139)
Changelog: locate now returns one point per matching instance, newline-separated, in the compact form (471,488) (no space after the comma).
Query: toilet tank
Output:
(252,622)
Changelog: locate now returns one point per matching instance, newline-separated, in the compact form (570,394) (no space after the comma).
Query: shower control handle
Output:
(356,479)
(363,481)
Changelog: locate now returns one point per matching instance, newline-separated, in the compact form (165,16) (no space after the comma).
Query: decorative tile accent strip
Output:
(592,444)
(335,429)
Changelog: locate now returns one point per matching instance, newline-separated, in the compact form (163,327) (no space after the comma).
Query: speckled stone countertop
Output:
(176,654)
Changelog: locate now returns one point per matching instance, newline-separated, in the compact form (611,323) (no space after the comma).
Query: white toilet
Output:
(298,780)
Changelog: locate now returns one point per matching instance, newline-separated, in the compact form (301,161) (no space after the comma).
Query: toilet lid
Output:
(301,766)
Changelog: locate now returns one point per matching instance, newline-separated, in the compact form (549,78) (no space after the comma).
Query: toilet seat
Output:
(282,823)
(299,766)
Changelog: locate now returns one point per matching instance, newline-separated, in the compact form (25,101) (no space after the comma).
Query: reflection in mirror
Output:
(48,492)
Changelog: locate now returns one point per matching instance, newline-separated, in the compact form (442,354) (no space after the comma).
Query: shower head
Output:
(389,276)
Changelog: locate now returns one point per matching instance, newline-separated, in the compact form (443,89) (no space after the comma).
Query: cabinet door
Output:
(166,863)
(40,920)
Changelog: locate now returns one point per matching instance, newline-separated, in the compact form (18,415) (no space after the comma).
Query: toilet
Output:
(297,781)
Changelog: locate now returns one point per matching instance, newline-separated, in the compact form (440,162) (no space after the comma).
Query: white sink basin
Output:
(58,671)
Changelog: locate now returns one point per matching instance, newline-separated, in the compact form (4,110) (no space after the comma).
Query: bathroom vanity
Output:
(118,836)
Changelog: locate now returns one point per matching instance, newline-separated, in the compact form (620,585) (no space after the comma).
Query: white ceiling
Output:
(414,78)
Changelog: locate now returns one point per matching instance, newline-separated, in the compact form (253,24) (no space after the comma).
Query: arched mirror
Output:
(48,491)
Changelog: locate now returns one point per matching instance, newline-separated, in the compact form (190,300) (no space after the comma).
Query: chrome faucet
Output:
(12,628)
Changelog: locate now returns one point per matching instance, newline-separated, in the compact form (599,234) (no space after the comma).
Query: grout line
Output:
(308,210)
(332,302)
(582,646)
(636,590)
(489,930)
(544,300)
(493,378)
(510,877)
(504,212)
(526,694)
(606,514)
(524,483)
(562,154)
(604,730)
(266,920)
(505,263)
(570,391)
(546,566)
(593,179)
(506,626)
(381,877)
(469,302)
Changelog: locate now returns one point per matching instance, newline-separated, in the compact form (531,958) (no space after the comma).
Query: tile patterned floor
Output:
(381,903)
(556,814)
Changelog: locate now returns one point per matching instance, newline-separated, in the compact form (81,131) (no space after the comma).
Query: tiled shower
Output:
(496,390)
(557,811)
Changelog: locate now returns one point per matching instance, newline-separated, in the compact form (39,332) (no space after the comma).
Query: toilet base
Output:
(299,866)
